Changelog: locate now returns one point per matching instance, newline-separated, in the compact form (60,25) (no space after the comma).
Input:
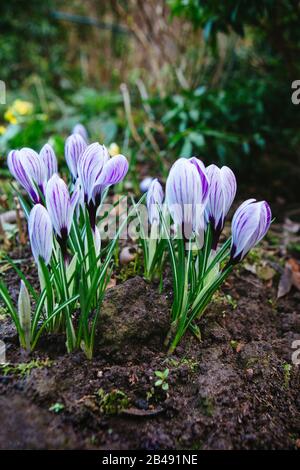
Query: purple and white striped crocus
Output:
(29,170)
(250,224)
(186,195)
(155,197)
(61,209)
(222,190)
(49,158)
(97,171)
(81,130)
(74,147)
(40,233)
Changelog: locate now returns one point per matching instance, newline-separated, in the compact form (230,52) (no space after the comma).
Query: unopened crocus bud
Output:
(222,190)
(81,130)
(145,184)
(186,194)
(48,156)
(74,147)
(24,312)
(29,170)
(113,149)
(40,233)
(61,209)
(155,197)
(250,224)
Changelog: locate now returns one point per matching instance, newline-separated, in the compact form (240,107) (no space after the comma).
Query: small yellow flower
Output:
(114,149)
(10,117)
(22,107)
(2,130)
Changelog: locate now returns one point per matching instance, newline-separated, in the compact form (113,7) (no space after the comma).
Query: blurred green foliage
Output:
(30,42)
(237,111)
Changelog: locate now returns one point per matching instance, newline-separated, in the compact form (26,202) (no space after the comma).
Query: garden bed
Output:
(237,389)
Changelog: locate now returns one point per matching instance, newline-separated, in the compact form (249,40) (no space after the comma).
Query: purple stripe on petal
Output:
(40,233)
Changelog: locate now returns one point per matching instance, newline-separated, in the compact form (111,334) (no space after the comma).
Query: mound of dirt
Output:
(237,389)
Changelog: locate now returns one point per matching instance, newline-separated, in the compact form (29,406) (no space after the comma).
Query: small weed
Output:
(287,373)
(162,379)
(24,368)
(190,363)
(254,256)
(113,402)
(231,301)
(57,407)
(133,269)
(3,313)
(234,344)
(207,406)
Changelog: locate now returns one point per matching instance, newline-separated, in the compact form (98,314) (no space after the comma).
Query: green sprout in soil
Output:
(113,402)
(24,369)
(57,407)
(287,368)
(190,363)
(3,313)
(162,381)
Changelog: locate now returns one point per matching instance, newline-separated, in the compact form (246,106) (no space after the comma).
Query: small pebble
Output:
(127,255)
(141,404)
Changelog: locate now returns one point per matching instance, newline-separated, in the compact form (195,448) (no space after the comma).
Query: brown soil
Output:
(232,391)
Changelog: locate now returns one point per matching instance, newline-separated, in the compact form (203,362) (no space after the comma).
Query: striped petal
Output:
(184,195)
(203,176)
(81,130)
(221,195)
(114,171)
(29,170)
(74,147)
(250,223)
(48,156)
(90,166)
(40,233)
(59,205)
(155,197)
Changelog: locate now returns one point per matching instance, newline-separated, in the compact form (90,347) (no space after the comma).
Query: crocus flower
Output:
(250,224)
(24,312)
(29,170)
(97,171)
(74,147)
(186,194)
(61,209)
(145,184)
(40,233)
(48,156)
(221,195)
(155,197)
(81,130)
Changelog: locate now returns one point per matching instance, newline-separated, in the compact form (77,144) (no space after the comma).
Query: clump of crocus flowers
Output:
(198,200)
(65,240)
(186,223)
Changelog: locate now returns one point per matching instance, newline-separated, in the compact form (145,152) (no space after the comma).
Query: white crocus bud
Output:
(24,311)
